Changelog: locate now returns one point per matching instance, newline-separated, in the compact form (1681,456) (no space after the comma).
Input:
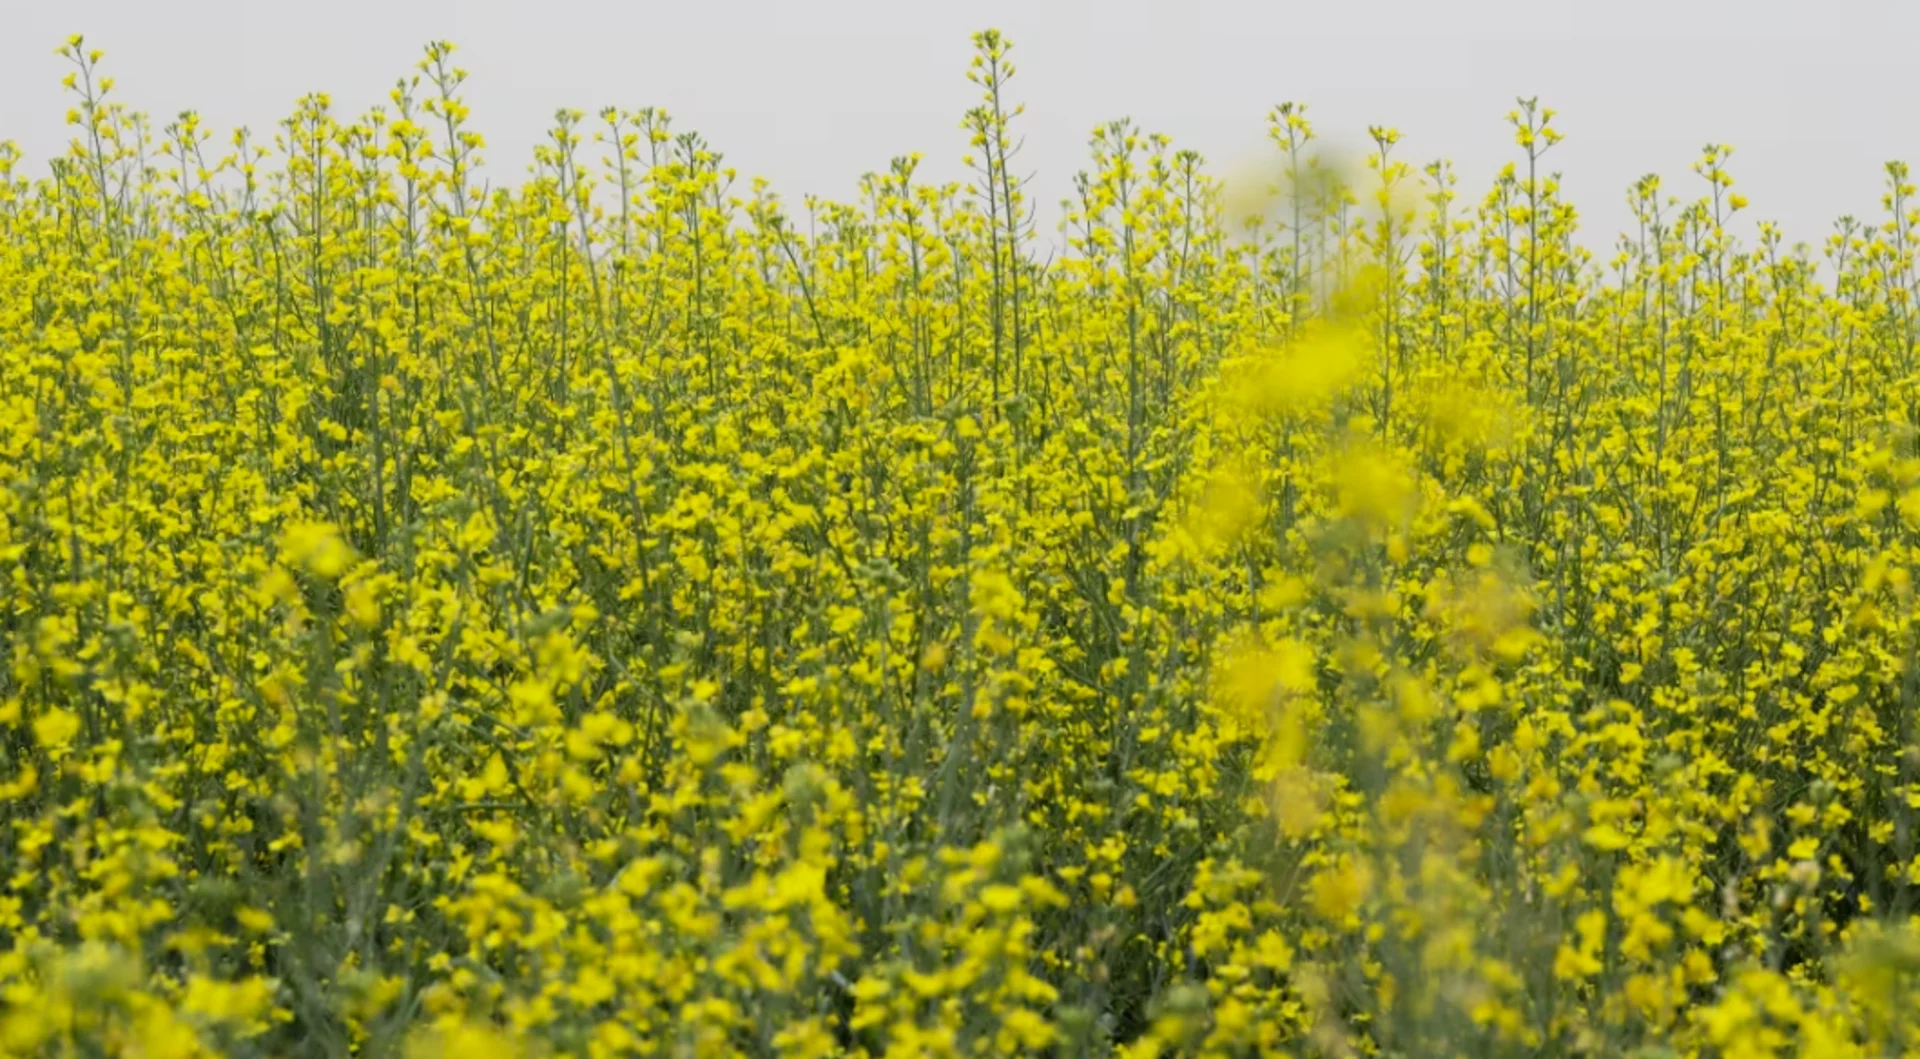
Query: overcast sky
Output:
(1814,96)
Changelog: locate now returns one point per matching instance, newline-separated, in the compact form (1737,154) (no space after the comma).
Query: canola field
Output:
(620,612)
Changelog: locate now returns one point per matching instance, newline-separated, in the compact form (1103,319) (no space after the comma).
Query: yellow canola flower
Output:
(1337,893)
(317,548)
(1373,487)
(1256,678)
(1302,375)
(1228,509)
(462,1039)
(55,729)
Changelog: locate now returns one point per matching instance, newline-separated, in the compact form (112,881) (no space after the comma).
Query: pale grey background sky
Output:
(1813,95)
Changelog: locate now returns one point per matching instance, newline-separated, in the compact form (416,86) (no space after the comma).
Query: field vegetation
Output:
(625,613)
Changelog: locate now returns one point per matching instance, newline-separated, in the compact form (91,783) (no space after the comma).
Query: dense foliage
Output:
(625,614)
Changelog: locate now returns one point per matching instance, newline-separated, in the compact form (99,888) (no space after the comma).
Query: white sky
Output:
(1813,95)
